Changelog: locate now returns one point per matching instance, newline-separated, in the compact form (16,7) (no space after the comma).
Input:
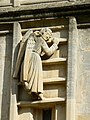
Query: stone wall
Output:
(68,19)
(83,82)
(5,72)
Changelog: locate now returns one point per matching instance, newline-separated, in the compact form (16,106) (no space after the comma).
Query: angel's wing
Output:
(28,52)
(26,42)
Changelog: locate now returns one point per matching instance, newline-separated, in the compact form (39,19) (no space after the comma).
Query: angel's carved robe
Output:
(31,66)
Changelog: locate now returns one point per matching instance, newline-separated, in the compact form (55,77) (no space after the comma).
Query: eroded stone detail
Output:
(29,63)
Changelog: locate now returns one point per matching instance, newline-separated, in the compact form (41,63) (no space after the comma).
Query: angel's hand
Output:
(42,54)
(56,40)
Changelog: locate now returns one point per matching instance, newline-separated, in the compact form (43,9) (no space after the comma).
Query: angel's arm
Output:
(49,50)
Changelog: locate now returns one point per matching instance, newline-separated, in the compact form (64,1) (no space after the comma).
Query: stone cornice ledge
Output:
(30,11)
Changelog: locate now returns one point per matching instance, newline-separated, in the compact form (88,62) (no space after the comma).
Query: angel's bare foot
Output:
(26,85)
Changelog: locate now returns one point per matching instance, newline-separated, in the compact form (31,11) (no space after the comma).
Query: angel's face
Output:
(47,35)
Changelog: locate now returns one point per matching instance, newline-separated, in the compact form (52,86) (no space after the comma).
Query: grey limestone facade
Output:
(66,74)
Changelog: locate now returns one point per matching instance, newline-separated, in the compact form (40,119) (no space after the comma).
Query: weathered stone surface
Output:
(83,82)
(66,75)
(83,117)
(5,73)
(5,1)
(43,10)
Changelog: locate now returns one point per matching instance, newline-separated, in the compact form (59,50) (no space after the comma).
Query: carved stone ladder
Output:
(54,88)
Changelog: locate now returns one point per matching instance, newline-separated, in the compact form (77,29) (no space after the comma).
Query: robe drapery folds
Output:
(30,67)
(29,63)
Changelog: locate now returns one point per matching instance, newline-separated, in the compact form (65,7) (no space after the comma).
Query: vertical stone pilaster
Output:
(2,53)
(14,87)
(72,69)
(58,112)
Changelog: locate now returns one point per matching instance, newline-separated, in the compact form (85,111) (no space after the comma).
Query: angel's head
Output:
(46,34)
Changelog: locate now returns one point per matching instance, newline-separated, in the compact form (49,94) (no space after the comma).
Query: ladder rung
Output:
(41,103)
(51,80)
(53,61)
(54,80)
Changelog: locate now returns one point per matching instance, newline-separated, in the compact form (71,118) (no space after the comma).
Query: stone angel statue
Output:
(29,64)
